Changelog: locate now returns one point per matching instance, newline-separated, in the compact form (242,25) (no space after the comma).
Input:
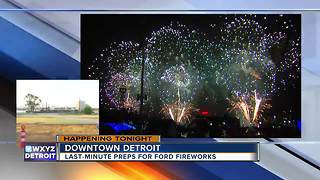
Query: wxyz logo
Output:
(43,148)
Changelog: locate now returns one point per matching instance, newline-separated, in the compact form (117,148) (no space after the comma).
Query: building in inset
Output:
(80,105)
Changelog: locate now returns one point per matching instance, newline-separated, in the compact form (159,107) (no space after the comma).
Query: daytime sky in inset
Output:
(59,93)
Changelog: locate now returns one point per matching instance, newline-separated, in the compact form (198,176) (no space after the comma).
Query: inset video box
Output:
(138,148)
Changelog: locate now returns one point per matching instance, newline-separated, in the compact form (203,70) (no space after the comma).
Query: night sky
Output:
(98,31)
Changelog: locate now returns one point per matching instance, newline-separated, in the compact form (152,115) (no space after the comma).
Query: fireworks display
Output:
(250,108)
(123,78)
(246,63)
(242,58)
(179,59)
